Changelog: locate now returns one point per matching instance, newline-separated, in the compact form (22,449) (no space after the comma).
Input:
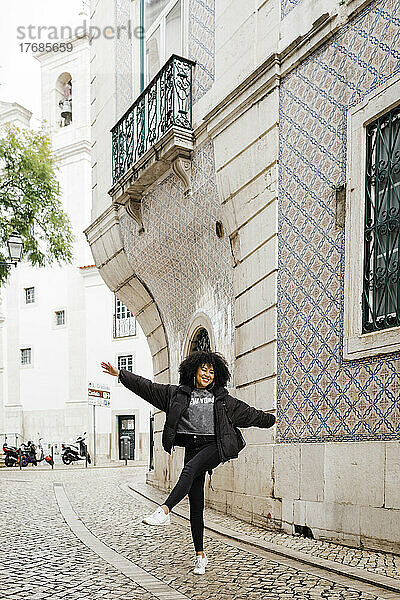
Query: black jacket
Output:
(229,413)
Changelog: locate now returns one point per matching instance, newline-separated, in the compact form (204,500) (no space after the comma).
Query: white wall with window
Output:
(124,322)
(128,351)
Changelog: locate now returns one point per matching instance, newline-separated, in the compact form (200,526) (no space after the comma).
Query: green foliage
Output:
(30,201)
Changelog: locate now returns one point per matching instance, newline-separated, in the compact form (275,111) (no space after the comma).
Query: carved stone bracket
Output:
(182,167)
(133,207)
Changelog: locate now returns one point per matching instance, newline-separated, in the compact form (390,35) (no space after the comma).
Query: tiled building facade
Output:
(277,90)
(321,396)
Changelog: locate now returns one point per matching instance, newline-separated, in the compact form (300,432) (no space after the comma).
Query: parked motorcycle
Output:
(11,458)
(29,454)
(34,455)
(72,453)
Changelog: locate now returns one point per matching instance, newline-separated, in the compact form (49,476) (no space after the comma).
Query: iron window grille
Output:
(124,322)
(26,356)
(29,295)
(381,290)
(60,317)
(164,103)
(125,362)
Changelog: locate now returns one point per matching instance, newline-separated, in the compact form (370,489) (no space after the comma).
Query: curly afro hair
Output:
(188,368)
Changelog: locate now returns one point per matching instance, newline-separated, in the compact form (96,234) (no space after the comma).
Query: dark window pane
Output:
(381,294)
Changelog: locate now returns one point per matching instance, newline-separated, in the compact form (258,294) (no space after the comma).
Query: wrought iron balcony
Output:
(165,104)
(125,327)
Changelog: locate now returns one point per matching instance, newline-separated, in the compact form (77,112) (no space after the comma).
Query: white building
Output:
(60,322)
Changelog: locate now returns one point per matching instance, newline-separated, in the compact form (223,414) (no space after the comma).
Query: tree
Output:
(30,201)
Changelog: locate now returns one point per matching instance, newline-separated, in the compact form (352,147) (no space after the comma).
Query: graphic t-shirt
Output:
(198,418)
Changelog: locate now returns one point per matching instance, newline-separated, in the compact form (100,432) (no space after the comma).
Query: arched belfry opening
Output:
(64,99)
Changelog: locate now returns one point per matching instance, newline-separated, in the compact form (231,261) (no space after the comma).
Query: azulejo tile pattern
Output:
(185,265)
(202,44)
(287,6)
(320,396)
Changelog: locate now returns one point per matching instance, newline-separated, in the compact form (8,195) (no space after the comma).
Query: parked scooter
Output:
(29,454)
(71,453)
(33,454)
(11,458)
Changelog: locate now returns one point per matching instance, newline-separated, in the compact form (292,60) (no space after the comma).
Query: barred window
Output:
(124,322)
(26,356)
(29,295)
(125,362)
(60,317)
(381,293)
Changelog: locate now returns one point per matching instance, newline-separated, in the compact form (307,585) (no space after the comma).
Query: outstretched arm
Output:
(156,394)
(244,415)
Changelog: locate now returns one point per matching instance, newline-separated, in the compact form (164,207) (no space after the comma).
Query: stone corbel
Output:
(133,207)
(182,167)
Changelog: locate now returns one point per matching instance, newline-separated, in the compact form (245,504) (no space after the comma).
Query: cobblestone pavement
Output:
(61,566)
(377,562)
(41,558)
(382,563)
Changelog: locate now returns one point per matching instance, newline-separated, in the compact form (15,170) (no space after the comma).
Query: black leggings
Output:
(197,461)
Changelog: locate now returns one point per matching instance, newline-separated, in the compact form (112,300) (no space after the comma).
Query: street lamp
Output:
(15,247)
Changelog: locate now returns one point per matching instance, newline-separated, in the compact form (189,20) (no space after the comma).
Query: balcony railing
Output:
(124,327)
(164,103)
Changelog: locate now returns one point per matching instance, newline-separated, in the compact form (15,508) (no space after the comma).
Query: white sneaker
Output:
(157,518)
(201,563)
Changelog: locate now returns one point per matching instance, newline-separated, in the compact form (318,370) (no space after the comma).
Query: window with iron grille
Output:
(381,290)
(26,356)
(125,362)
(124,323)
(29,295)
(60,317)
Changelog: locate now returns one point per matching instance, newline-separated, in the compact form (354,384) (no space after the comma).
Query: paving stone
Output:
(62,567)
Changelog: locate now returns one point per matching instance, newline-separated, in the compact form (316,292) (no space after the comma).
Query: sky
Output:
(19,70)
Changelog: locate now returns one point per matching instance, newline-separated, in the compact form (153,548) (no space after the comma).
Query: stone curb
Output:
(364,576)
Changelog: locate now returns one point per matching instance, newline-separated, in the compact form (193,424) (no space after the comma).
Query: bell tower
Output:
(66,91)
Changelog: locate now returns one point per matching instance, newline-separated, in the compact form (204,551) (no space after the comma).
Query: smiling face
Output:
(204,376)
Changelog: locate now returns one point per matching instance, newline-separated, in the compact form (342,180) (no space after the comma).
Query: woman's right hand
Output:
(109,369)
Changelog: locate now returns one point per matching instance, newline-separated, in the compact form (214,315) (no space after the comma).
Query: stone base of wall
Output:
(348,493)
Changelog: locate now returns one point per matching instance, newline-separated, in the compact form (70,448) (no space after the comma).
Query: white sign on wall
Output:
(99,395)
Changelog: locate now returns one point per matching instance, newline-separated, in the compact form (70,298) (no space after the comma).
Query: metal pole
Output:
(20,462)
(52,457)
(94,434)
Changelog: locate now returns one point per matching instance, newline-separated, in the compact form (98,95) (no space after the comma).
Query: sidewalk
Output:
(369,566)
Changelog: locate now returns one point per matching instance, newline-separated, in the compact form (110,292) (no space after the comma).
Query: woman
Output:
(202,417)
